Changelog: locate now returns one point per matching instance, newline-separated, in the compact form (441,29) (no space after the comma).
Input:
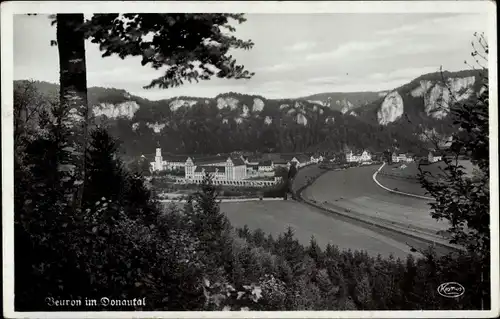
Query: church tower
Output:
(158,159)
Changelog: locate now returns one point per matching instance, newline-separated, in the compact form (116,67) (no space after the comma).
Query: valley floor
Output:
(274,218)
(351,191)
(354,190)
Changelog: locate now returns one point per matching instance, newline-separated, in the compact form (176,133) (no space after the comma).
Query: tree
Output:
(363,292)
(73,101)
(461,199)
(29,106)
(315,252)
(292,171)
(41,218)
(208,223)
(190,47)
(144,167)
(105,176)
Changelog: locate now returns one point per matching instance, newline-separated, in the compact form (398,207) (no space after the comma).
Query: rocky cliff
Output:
(428,97)
(329,121)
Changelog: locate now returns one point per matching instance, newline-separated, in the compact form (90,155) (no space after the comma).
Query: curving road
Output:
(353,190)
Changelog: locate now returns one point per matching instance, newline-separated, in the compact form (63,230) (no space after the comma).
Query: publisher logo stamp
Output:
(451,289)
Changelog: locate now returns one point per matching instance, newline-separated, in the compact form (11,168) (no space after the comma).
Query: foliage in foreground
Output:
(190,258)
(460,198)
(121,245)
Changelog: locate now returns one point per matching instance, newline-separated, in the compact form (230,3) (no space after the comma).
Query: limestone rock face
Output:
(268,120)
(178,103)
(392,108)
(438,96)
(258,105)
(124,110)
(224,102)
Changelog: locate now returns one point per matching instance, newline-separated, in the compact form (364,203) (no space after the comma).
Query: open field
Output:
(274,218)
(402,185)
(403,177)
(354,190)
(305,174)
(410,170)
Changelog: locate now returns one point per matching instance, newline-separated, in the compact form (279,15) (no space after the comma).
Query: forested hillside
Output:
(233,121)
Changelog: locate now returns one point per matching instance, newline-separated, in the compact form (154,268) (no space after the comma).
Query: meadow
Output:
(403,177)
(276,216)
(354,191)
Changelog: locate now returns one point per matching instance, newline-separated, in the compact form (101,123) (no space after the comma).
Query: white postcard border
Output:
(8,9)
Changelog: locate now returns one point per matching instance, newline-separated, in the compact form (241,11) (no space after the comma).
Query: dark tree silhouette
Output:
(73,95)
(461,198)
(190,47)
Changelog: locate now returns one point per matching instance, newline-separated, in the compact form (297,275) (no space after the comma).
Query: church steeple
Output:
(158,151)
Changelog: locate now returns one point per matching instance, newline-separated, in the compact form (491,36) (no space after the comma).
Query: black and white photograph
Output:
(250,159)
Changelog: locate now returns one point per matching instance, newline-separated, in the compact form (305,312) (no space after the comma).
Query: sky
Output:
(295,55)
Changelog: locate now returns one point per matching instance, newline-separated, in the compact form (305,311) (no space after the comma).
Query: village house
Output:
(402,157)
(303,160)
(300,160)
(317,159)
(337,157)
(434,156)
(363,157)
(266,166)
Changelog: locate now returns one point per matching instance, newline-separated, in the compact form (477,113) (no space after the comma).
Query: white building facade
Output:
(434,157)
(397,158)
(231,169)
(365,156)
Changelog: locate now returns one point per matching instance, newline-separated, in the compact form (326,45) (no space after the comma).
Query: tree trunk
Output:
(73,96)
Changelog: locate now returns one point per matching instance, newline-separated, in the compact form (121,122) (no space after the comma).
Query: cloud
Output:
(122,76)
(350,48)
(324,80)
(301,46)
(440,26)
(272,83)
(378,51)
